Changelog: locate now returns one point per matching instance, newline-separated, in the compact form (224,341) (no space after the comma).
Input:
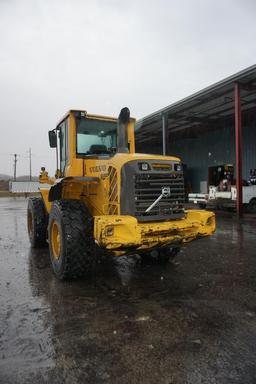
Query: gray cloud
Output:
(102,55)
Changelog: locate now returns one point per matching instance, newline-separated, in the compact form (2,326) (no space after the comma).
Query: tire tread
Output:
(40,222)
(79,247)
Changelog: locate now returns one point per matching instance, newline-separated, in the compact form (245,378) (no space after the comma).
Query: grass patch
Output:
(10,194)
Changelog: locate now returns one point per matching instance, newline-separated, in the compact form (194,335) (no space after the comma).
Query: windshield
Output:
(95,136)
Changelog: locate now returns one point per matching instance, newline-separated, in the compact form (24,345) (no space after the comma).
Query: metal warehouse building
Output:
(216,125)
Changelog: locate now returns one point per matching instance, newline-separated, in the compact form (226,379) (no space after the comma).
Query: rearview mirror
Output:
(52,139)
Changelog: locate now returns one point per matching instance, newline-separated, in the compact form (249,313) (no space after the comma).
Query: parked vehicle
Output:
(223,193)
(105,197)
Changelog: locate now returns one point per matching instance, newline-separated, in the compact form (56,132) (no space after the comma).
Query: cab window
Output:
(96,136)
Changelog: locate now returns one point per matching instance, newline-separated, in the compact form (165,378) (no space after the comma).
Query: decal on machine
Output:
(98,168)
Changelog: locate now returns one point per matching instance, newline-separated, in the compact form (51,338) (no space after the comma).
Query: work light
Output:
(144,166)
(178,167)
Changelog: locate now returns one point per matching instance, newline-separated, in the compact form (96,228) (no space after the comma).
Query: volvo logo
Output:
(166,191)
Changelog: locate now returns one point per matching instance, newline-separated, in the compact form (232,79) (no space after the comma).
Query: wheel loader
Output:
(107,198)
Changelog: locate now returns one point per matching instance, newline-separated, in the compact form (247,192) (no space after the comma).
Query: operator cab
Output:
(81,135)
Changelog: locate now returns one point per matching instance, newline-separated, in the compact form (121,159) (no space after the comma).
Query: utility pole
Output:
(30,165)
(15,165)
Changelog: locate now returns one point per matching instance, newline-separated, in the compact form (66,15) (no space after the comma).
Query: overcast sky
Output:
(102,55)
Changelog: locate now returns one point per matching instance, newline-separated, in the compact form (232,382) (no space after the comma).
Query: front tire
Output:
(71,244)
(37,220)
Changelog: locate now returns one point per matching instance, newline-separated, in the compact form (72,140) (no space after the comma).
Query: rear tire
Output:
(161,255)
(37,221)
(252,205)
(167,254)
(71,243)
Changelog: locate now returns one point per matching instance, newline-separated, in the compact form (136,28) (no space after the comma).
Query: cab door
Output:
(63,145)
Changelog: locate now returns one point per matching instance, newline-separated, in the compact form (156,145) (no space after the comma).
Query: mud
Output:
(193,321)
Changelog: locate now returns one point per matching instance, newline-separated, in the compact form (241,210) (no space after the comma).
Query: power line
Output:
(15,165)
(30,165)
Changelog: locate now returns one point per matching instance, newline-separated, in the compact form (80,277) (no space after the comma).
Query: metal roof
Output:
(202,110)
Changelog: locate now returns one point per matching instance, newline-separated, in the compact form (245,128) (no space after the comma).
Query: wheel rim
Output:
(55,240)
(30,223)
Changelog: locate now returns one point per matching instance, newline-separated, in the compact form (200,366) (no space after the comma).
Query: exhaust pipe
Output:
(122,128)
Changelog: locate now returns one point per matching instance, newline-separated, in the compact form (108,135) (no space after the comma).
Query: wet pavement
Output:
(193,321)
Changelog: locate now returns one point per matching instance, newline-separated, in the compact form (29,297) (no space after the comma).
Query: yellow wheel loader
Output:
(104,196)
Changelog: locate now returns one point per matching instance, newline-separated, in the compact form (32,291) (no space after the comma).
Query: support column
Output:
(164,133)
(238,134)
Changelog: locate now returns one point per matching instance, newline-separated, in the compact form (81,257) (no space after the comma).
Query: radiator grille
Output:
(148,186)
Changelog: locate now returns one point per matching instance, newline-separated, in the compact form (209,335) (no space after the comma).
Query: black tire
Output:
(75,256)
(167,254)
(37,221)
(252,205)
(161,255)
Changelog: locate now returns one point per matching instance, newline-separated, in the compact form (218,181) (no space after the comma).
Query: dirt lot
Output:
(190,322)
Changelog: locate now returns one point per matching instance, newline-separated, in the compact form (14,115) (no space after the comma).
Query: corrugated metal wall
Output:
(213,148)
(249,144)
